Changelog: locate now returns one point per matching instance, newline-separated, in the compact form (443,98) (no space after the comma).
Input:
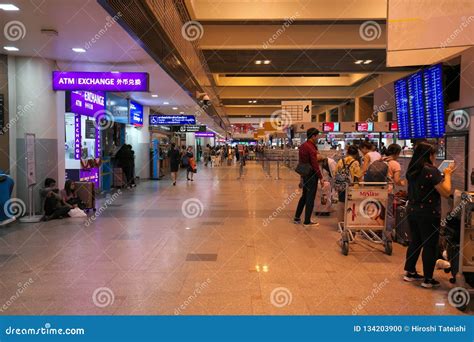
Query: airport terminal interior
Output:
(224,157)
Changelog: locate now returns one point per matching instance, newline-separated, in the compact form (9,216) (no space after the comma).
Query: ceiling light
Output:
(250,101)
(166,103)
(266,61)
(175,108)
(254,101)
(360,61)
(78,50)
(11,48)
(181,112)
(9,7)
(367,61)
(258,62)
(115,72)
(154,95)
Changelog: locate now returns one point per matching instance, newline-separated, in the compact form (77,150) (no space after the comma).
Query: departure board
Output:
(401,100)
(434,101)
(416,106)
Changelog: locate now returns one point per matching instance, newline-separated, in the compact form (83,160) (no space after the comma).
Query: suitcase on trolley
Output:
(86,192)
(402,227)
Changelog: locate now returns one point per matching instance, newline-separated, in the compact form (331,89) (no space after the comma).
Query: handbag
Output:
(304,169)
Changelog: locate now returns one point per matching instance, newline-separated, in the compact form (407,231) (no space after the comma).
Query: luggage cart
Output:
(365,214)
(465,275)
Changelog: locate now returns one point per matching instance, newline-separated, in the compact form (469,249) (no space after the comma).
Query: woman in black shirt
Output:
(425,188)
(175,158)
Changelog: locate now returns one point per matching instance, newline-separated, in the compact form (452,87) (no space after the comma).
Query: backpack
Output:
(377,171)
(185,160)
(343,176)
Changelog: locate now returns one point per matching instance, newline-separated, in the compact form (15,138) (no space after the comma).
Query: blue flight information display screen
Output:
(416,105)
(434,101)
(401,100)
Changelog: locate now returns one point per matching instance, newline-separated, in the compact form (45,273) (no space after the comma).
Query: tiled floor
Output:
(139,257)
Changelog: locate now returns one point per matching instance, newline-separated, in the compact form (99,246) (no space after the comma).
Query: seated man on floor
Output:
(53,205)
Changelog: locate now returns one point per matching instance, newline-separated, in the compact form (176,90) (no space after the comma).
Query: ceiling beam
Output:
(289,37)
(282,9)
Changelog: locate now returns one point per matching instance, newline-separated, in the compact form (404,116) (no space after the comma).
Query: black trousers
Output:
(424,228)
(307,198)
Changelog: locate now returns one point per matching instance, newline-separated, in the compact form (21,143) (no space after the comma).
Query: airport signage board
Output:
(204,135)
(136,114)
(86,102)
(100,81)
(191,128)
(171,120)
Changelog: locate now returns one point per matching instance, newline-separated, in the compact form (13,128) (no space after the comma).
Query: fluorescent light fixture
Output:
(367,61)
(360,61)
(250,101)
(113,72)
(9,7)
(266,61)
(78,50)
(258,62)
(181,112)
(154,95)
(11,48)
(175,108)
(166,103)
(254,101)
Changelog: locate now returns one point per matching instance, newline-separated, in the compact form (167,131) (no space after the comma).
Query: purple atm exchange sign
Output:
(100,81)
(86,102)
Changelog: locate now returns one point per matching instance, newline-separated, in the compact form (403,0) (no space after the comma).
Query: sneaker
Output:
(297,221)
(429,283)
(311,224)
(412,276)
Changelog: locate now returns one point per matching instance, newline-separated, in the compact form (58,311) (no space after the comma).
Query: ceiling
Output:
(311,48)
(77,23)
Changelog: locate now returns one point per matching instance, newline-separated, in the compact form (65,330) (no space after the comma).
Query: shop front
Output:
(82,136)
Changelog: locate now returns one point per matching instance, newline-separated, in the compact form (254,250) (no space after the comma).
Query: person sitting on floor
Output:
(69,195)
(53,205)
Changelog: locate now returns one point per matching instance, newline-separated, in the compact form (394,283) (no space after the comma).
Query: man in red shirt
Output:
(308,154)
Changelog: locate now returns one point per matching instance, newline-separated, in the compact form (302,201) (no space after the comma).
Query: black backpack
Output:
(377,171)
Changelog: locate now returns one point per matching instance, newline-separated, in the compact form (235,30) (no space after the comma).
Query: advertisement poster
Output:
(366,207)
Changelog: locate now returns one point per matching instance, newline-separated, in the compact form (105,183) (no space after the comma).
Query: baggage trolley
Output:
(365,214)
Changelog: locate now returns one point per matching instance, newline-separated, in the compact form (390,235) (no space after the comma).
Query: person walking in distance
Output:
(175,158)
(308,154)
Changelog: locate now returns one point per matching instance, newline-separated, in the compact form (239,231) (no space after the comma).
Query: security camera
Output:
(203,98)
